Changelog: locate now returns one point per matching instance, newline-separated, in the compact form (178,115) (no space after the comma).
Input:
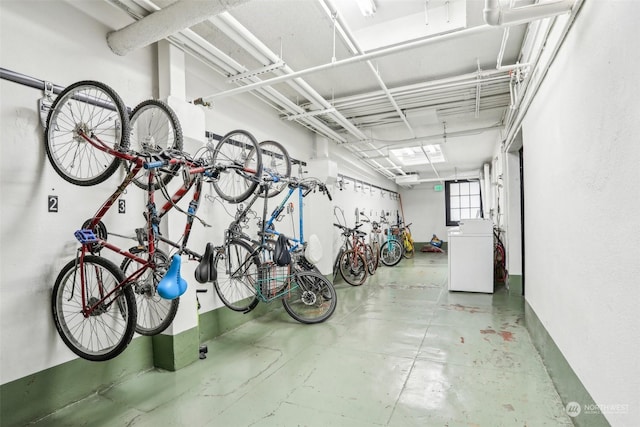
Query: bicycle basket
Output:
(394,231)
(273,280)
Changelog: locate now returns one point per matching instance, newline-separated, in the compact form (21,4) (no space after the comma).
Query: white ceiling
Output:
(416,72)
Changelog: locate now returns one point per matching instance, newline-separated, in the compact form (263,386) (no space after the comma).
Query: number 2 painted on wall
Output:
(52,203)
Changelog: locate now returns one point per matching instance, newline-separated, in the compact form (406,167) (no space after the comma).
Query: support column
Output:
(178,346)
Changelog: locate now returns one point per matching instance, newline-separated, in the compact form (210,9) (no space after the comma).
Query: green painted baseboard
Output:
(515,283)
(580,406)
(216,322)
(173,352)
(36,395)
(39,394)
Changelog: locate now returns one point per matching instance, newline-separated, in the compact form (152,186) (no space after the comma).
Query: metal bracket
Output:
(44,104)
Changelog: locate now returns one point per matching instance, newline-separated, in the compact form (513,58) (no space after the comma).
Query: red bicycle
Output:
(93,301)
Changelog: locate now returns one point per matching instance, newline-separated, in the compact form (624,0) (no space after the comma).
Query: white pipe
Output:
(495,15)
(165,22)
(354,59)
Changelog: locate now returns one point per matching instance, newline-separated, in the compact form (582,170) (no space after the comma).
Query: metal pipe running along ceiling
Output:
(165,22)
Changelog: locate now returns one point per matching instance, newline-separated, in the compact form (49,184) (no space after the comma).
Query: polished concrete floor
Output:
(399,351)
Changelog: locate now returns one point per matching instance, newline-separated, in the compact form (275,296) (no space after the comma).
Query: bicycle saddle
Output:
(172,285)
(204,271)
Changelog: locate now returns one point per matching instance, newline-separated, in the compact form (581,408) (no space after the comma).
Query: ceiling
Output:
(412,74)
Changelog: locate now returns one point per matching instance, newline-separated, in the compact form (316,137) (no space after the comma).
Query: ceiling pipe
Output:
(495,15)
(165,22)
(354,59)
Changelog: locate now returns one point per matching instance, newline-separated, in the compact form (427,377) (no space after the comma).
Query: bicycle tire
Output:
(408,250)
(94,108)
(376,251)
(408,246)
(237,266)
(353,267)
(391,253)
(155,313)
(372,262)
(108,330)
(275,160)
(234,184)
(311,299)
(154,128)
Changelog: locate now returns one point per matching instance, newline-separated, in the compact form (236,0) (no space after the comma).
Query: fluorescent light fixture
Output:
(407,179)
(419,155)
(367,7)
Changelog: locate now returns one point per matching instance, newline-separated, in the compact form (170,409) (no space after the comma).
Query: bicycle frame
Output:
(91,242)
(268,226)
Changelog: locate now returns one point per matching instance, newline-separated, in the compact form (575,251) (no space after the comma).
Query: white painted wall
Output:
(425,208)
(55,42)
(582,201)
(63,43)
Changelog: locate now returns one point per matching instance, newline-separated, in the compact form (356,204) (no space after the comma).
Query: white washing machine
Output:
(470,250)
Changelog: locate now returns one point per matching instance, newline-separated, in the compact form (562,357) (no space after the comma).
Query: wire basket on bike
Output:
(273,281)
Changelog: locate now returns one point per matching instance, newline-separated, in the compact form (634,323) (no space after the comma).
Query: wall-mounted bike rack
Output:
(50,89)
(360,185)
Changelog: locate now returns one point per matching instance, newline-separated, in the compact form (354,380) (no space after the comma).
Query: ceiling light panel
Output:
(414,156)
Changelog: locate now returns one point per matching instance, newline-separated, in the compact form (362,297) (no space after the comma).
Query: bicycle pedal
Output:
(85,236)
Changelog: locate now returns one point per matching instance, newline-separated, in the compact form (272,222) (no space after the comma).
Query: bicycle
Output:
(500,273)
(247,274)
(391,250)
(407,241)
(200,171)
(99,300)
(374,239)
(351,260)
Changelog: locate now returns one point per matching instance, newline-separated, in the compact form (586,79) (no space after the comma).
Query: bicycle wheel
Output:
(90,108)
(238,151)
(237,274)
(311,299)
(408,251)
(499,264)
(108,329)
(275,161)
(353,267)
(155,313)
(376,251)
(154,128)
(391,253)
(372,260)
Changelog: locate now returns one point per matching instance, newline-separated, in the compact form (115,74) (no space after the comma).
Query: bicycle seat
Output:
(361,233)
(172,285)
(204,271)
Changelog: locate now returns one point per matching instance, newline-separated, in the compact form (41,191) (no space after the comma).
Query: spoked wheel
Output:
(108,328)
(391,253)
(275,161)
(371,258)
(311,299)
(154,128)
(376,252)
(155,314)
(238,151)
(409,251)
(86,108)
(237,266)
(353,268)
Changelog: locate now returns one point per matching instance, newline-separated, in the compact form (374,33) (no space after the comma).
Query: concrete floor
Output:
(399,351)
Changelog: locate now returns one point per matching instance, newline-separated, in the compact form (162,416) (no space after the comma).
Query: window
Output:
(462,200)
